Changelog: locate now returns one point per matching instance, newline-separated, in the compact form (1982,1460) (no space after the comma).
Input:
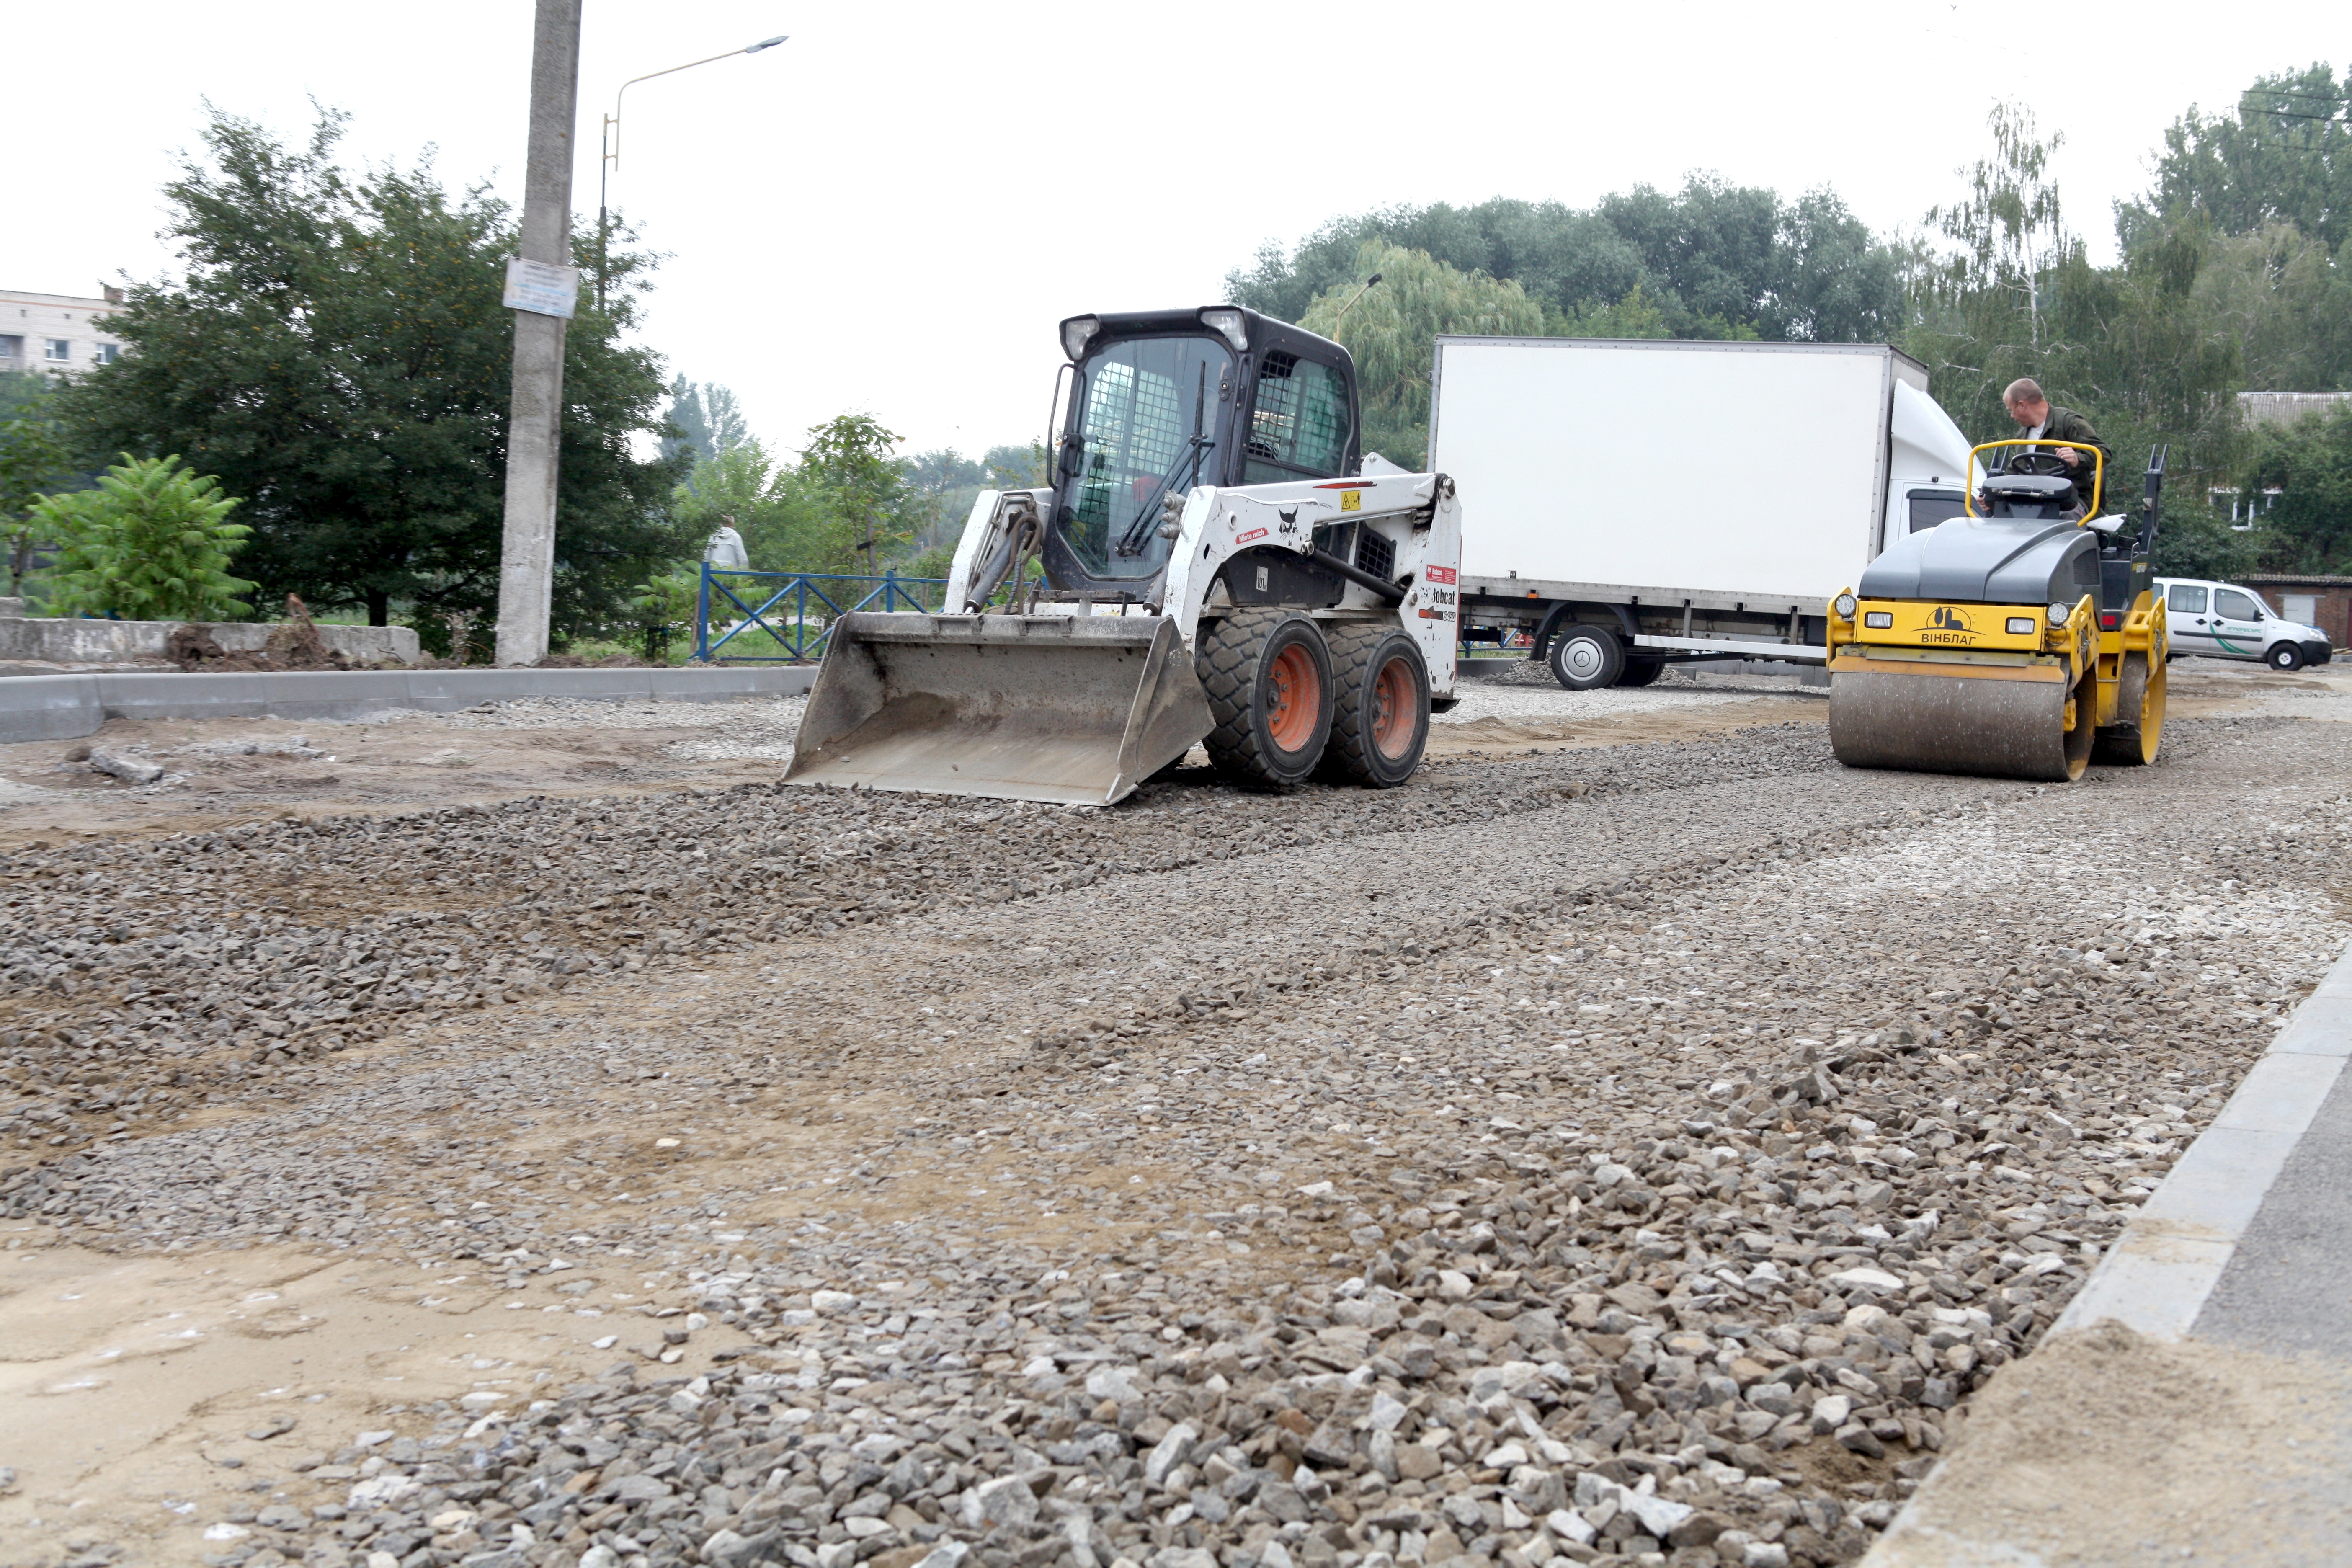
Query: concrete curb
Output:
(2158,1274)
(63,707)
(2156,1278)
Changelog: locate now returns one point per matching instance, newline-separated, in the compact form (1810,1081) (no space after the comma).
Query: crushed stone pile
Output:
(1636,1155)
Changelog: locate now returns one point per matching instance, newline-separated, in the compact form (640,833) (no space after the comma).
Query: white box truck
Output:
(1632,504)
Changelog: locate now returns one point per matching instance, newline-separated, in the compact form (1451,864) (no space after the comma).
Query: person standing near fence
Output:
(725,550)
(723,553)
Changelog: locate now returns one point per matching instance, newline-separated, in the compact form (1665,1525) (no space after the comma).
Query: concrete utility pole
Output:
(527,557)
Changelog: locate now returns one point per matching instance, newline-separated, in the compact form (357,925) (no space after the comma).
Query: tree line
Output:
(333,364)
(2231,275)
(326,382)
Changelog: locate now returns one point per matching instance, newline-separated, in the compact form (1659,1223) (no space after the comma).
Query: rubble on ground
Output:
(1631,1154)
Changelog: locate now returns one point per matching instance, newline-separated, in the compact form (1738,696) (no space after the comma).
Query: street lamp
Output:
(610,143)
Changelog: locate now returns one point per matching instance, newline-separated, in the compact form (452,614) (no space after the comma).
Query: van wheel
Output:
(1267,675)
(1583,659)
(1642,671)
(2284,655)
(1379,706)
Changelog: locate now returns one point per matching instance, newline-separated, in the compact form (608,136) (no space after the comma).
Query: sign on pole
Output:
(542,287)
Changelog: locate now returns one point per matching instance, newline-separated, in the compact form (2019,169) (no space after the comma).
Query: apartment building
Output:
(57,334)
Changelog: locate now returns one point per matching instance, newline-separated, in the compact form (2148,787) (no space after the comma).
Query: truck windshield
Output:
(1141,404)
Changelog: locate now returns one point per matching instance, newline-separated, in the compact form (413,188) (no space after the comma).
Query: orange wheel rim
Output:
(1294,697)
(1392,710)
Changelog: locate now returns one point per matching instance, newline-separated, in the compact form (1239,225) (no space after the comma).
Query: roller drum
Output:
(1952,723)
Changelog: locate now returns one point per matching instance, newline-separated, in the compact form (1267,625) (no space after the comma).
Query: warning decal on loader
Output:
(1438,573)
(1351,501)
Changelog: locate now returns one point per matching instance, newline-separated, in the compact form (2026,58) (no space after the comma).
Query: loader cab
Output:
(1162,401)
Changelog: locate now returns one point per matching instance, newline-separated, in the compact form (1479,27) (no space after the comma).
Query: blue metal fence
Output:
(794,642)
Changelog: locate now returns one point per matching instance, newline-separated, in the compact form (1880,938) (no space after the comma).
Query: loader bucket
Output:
(1072,708)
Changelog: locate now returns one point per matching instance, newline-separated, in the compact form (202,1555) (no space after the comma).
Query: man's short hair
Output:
(2024,389)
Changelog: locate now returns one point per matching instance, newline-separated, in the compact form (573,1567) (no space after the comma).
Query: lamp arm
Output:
(615,155)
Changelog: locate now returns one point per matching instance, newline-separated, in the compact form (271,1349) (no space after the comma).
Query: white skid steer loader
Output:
(1218,564)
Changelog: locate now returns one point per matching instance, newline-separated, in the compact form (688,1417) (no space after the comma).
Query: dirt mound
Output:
(610,661)
(294,643)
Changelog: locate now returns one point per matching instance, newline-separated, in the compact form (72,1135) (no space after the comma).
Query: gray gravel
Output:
(1641,1152)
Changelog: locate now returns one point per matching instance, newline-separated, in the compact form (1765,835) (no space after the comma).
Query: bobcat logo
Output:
(1946,624)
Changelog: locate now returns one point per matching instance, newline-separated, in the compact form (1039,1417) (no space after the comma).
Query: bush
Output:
(2198,541)
(151,542)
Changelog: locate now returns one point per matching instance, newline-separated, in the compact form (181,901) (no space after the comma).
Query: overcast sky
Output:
(890,213)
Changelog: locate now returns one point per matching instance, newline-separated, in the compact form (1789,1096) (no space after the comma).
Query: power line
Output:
(2293,114)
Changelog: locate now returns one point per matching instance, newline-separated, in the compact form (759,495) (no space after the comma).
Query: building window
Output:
(107,352)
(56,349)
(12,347)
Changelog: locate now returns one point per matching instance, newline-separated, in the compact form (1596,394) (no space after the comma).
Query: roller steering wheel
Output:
(2038,465)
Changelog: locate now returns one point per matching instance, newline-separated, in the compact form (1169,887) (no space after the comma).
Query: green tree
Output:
(2285,300)
(817,515)
(848,475)
(1634,316)
(707,419)
(2014,294)
(944,484)
(32,464)
(151,542)
(337,353)
(1017,468)
(2268,188)
(2198,541)
(1392,330)
(1713,259)
(1980,304)
(2284,155)
(2309,461)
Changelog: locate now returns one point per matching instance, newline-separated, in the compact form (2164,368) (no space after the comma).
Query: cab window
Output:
(1143,420)
(2231,606)
(1298,421)
(2185,599)
(1930,508)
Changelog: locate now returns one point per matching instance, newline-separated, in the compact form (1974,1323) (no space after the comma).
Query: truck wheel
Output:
(1642,671)
(2284,655)
(1584,657)
(1380,708)
(1267,674)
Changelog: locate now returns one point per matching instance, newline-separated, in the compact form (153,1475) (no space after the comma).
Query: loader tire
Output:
(1267,675)
(1584,658)
(1379,706)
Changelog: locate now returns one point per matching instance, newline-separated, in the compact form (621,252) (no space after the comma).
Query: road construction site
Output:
(536,1136)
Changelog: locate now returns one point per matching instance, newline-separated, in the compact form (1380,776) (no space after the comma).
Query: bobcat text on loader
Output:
(2014,640)
(1215,562)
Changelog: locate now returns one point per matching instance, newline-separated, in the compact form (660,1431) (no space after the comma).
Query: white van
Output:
(2221,620)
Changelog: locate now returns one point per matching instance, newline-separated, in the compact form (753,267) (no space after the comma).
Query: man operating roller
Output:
(2041,422)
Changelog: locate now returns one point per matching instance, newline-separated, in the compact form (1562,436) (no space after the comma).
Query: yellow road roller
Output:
(2016,640)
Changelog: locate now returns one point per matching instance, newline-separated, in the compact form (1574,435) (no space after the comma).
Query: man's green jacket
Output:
(2067,425)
